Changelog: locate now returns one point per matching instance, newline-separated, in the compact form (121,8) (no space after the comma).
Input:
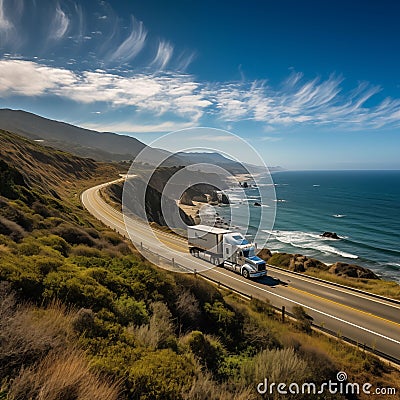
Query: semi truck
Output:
(225,248)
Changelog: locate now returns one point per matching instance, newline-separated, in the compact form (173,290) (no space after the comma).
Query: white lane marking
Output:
(283,297)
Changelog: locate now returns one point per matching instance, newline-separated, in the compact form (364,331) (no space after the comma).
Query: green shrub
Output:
(112,237)
(130,311)
(76,287)
(206,349)
(29,247)
(85,251)
(225,322)
(45,264)
(280,260)
(73,235)
(57,243)
(160,375)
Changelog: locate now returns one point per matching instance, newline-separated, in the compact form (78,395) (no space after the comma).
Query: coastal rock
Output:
(224,199)
(186,200)
(201,198)
(213,197)
(245,185)
(330,235)
(352,271)
(265,254)
(300,263)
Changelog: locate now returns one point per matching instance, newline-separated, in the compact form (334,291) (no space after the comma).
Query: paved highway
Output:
(363,318)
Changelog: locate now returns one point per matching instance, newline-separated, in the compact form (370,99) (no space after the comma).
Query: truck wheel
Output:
(245,273)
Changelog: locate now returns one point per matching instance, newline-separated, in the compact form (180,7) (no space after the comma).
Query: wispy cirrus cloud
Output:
(132,45)
(5,23)
(59,24)
(296,101)
(316,102)
(163,56)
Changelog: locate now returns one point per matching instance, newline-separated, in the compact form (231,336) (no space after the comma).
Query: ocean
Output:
(362,207)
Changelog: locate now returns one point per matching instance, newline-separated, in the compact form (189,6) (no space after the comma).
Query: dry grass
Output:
(377,286)
(28,334)
(38,357)
(205,388)
(61,376)
(159,329)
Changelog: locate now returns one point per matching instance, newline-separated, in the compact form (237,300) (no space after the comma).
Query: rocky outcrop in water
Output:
(330,235)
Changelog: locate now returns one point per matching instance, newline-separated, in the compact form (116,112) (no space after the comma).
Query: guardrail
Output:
(353,289)
(158,259)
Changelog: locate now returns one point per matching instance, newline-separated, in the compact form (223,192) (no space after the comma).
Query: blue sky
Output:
(311,84)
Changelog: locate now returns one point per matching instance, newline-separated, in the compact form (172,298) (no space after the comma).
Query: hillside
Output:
(84,316)
(103,146)
(42,166)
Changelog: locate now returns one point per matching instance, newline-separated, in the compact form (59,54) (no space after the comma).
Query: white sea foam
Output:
(338,215)
(306,240)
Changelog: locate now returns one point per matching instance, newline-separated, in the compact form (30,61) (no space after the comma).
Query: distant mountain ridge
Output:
(103,146)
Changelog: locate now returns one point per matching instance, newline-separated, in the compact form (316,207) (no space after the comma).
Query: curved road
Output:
(358,316)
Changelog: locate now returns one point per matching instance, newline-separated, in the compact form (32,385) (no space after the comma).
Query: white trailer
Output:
(225,248)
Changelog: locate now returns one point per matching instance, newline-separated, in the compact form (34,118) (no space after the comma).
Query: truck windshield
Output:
(241,238)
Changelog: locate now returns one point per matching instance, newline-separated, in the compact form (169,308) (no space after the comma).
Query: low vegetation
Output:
(84,316)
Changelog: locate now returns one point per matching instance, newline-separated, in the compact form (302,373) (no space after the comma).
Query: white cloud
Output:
(214,138)
(132,45)
(271,138)
(60,24)
(128,127)
(27,78)
(164,54)
(158,94)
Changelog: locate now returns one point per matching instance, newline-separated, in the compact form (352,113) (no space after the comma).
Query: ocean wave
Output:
(391,252)
(310,241)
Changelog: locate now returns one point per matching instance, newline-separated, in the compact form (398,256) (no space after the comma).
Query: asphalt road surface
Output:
(358,316)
